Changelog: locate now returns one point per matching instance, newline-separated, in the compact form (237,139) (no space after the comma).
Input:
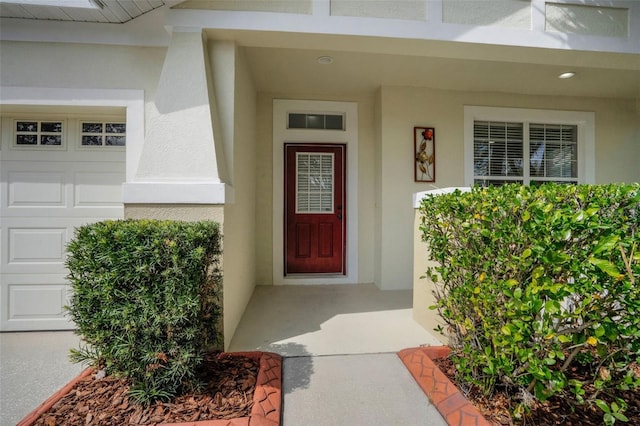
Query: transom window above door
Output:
(510,145)
(315,121)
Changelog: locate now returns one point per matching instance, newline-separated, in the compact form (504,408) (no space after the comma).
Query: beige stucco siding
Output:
(82,66)
(240,213)
(264,189)
(617,150)
(386,183)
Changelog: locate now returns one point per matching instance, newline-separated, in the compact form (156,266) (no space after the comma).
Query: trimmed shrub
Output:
(146,300)
(534,281)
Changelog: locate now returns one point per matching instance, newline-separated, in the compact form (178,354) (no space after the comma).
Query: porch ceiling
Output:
(363,64)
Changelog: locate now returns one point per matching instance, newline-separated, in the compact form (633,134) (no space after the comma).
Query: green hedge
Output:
(534,281)
(146,300)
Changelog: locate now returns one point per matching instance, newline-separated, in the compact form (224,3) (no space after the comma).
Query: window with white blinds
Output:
(553,152)
(314,182)
(497,152)
(527,151)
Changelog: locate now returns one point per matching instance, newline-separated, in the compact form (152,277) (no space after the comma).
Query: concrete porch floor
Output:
(339,344)
(329,320)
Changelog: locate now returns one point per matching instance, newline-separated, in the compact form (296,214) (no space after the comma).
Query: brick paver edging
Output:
(445,396)
(267,398)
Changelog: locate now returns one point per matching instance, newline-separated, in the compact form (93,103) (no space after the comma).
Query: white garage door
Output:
(56,173)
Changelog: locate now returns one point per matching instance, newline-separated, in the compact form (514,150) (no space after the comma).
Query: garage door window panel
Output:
(34,133)
(103,134)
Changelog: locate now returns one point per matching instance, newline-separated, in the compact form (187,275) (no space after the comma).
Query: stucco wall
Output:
(500,13)
(386,186)
(239,213)
(118,67)
(391,9)
(58,65)
(264,189)
(591,20)
(617,151)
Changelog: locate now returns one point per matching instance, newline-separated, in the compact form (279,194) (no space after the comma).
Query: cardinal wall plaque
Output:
(424,140)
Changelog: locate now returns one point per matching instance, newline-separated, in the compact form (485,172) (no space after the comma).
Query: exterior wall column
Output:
(181,160)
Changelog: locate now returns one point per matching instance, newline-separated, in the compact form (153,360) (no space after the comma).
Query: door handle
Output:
(340,216)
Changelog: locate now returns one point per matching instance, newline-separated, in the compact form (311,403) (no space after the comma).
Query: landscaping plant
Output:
(535,281)
(146,300)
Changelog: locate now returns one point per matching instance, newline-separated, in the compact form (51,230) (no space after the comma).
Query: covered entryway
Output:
(315,192)
(315,209)
(57,173)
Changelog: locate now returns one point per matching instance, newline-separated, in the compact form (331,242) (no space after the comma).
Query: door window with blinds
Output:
(526,151)
(314,182)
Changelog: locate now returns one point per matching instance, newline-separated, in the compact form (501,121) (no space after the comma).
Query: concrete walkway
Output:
(339,344)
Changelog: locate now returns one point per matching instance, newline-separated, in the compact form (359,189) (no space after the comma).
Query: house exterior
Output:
(296,125)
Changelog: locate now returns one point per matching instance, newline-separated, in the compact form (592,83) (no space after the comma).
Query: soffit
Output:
(284,63)
(114,11)
(297,71)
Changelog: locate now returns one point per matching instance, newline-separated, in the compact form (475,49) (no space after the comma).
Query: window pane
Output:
(315,121)
(115,127)
(51,127)
(303,163)
(314,164)
(115,140)
(326,202)
(91,140)
(497,158)
(91,127)
(297,121)
(334,122)
(314,183)
(498,149)
(50,140)
(303,202)
(553,151)
(536,158)
(480,158)
(26,139)
(303,182)
(27,126)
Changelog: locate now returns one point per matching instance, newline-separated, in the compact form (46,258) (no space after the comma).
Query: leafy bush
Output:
(146,300)
(534,281)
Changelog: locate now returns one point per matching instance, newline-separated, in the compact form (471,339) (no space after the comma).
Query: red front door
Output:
(315,210)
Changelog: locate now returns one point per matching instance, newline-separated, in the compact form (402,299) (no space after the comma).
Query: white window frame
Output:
(584,120)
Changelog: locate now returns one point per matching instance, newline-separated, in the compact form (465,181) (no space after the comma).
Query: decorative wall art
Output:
(424,140)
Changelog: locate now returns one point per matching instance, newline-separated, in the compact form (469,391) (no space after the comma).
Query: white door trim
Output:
(349,136)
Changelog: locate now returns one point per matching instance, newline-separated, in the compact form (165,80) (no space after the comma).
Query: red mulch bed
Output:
(228,393)
(498,407)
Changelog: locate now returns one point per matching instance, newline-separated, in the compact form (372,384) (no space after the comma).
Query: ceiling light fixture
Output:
(325,60)
(567,74)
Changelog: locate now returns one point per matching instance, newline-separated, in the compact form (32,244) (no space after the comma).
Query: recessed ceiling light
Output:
(325,60)
(567,74)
